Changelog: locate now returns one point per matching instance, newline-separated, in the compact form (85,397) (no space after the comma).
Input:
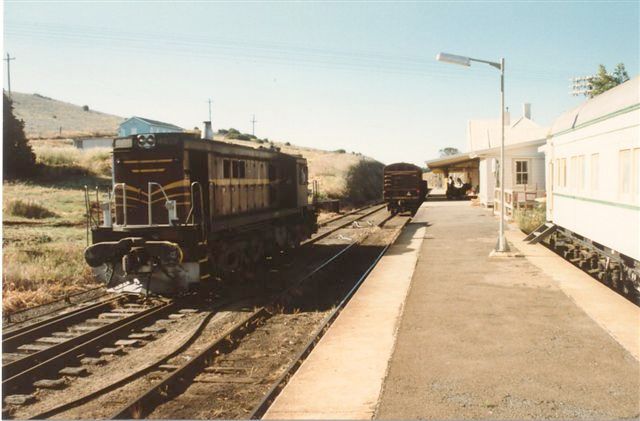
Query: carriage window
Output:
(595,171)
(563,172)
(581,172)
(241,169)
(625,171)
(272,172)
(234,167)
(226,169)
(636,171)
(522,172)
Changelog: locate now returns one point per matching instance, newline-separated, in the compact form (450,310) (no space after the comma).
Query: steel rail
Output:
(260,409)
(344,215)
(20,376)
(139,405)
(13,339)
(66,302)
(133,376)
(331,231)
(180,378)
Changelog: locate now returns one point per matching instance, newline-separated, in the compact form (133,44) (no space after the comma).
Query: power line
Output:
(8,60)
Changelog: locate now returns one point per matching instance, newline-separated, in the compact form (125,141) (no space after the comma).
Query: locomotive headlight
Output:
(146,142)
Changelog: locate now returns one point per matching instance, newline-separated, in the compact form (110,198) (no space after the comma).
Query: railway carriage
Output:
(593,186)
(404,189)
(185,209)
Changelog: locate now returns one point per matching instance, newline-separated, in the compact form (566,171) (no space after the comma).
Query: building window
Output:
(595,171)
(625,171)
(522,172)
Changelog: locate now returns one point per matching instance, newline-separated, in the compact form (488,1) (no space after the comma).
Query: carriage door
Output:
(199,170)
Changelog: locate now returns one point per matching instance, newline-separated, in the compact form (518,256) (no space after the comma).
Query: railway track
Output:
(222,364)
(186,350)
(44,354)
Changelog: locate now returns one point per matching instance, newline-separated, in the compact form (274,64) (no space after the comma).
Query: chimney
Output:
(526,110)
(207,131)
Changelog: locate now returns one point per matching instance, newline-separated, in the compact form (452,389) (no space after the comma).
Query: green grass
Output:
(530,219)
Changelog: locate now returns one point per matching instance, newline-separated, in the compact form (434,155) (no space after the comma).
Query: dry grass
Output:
(43,259)
(41,264)
(28,209)
(45,117)
(95,161)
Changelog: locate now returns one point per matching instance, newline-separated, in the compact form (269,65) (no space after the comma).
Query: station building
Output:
(479,165)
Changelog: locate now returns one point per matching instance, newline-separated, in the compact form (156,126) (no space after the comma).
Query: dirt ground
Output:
(496,339)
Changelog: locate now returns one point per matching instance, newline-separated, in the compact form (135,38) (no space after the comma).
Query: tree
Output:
(604,81)
(19,159)
(448,151)
(364,181)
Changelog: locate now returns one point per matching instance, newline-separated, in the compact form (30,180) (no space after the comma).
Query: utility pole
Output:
(8,60)
(209,109)
(253,125)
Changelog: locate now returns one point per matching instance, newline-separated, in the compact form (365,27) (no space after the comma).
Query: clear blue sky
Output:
(358,76)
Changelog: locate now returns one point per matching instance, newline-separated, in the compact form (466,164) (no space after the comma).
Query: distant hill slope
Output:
(44,117)
(329,168)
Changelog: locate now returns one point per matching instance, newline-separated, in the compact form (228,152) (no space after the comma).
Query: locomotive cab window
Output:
(302,174)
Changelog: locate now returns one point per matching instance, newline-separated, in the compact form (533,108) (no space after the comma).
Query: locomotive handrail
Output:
(191,211)
(124,202)
(150,204)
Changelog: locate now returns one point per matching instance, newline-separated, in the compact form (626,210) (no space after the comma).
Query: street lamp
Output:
(501,246)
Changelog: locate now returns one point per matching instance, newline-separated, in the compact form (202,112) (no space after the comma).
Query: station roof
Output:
(449,160)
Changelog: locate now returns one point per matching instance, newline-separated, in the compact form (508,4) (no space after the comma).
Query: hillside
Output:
(44,117)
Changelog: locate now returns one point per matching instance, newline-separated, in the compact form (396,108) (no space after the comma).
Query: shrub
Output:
(27,209)
(223,131)
(288,143)
(364,181)
(85,108)
(19,159)
(530,219)
(340,151)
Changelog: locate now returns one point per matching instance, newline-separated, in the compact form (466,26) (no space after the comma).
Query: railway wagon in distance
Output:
(185,209)
(403,189)
(593,186)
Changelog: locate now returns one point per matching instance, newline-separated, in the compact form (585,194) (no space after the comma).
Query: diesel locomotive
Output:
(183,210)
(403,189)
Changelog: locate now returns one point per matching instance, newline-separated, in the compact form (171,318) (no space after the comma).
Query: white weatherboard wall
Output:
(529,152)
(601,211)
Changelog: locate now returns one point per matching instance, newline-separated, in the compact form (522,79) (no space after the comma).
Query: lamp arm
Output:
(490,63)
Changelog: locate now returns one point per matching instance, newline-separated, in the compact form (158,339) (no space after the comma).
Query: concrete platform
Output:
(343,376)
(473,336)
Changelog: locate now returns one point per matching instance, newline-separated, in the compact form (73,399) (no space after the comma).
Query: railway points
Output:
(477,337)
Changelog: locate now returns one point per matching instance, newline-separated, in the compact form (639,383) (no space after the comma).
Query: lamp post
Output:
(501,246)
